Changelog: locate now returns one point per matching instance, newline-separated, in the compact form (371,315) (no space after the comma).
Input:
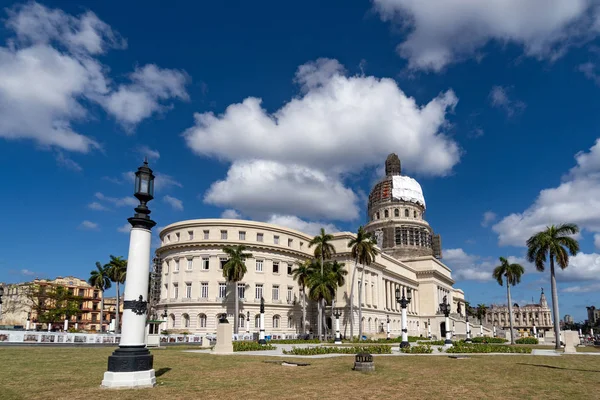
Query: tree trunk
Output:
(319,321)
(555,313)
(117,319)
(303,311)
(101,311)
(360,285)
(323,305)
(352,299)
(510,313)
(236,308)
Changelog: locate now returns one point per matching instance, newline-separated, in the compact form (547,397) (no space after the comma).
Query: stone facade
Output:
(525,316)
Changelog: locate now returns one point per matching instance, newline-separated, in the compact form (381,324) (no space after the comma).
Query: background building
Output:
(195,293)
(593,315)
(525,316)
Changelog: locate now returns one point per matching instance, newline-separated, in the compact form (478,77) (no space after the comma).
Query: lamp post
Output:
(388,325)
(428,328)
(248,322)
(453,330)
(165,315)
(480,329)
(1,295)
(534,330)
(404,301)
(445,309)
(338,337)
(28,321)
(131,364)
(468,340)
(261,335)
(494,328)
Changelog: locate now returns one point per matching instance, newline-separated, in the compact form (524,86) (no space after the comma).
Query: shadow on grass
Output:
(553,367)
(162,371)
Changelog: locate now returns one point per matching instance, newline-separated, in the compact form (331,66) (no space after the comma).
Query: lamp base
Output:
(130,367)
(468,340)
(262,341)
(404,344)
(129,380)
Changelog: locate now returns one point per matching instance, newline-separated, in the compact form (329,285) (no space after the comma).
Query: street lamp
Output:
(248,322)
(131,364)
(388,326)
(28,321)
(338,337)
(165,315)
(428,328)
(261,335)
(404,301)
(1,295)
(467,310)
(445,309)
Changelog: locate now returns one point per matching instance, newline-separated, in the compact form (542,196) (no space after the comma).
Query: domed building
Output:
(194,293)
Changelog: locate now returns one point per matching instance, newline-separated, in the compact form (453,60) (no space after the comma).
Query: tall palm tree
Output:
(117,272)
(512,273)
(234,270)
(324,250)
(301,274)
(481,312)
(321,288)
(557,243)
(339,277)
(363,252)
(100,280)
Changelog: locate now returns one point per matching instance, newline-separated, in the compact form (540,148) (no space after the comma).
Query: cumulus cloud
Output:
(488,217)
(67,162)
(468,266)
(595,287)
(126,228)
(96,206)
(293,161)
(575,200)
(119,202)
(174,202)
(293,222)
(499,98)
(590,71)
(597,241)
(146,151)
(88,225)
(50,69)
(444,32)
(230,214)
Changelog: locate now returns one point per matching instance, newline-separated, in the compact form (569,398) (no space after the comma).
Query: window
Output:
(386,214)
(175,290)
(222,290)
(177,237)
(257,321)
(259,265)
(202,320)
(290,241)
(167,266)
(188,290)
(275,267)
(290,294)
(276,321)
(301,244)
(172,318)
(191,235)
(241,290)
(176,265)
(396,212)
(166,290)
(275,292)
(241,320)
(289,268)
(186,321)
(414,214)
(258,291)
(190,263)
(168,238)
(96,294)
(259,237)
(204,290)
(377,215)
(205,235)
(80,293)
(223,235)
(223,261)
(276,239)
(406,213)
(205,263)
(242,235)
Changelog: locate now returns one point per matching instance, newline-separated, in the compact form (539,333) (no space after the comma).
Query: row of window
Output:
(386,214)
(242,320)
(412,236)
(260,237)
(222,293)
(205,265)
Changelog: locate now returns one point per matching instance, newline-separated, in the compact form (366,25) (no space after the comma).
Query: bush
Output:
(313,351)
(485,339)
(527,340)
(294,341)
(432,342)
(251,346)
(420,349)
(487,348)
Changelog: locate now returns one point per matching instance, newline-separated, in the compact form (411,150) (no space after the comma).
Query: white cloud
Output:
(50,69)
(175,203)
(575,200)
(499,98)
(488,217)
(338,125)
(96,206)
(597,241)
(589,69)
(230,214)
(449,31)
(88,225)
(119,202)
(468,266)
(67,162)
(148,152)
(126,228)
(293,222)
(27,272)
(161,181)
(582,267)
(595,287)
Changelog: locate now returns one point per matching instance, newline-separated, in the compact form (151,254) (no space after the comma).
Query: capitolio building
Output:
(194,293)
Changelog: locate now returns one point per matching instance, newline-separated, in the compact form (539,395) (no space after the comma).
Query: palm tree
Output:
(481,312)
(117,272)
(512,273)
(301,274)
(556,242)
(234,270)
(100,280)
(364,252)
(339,276)
(324,250)
(321,289)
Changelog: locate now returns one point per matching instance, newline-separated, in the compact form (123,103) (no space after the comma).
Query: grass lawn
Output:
(76,373)
(588,349)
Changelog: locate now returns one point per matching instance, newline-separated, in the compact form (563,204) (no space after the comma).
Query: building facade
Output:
(194,292)
(525,317)
(593,314)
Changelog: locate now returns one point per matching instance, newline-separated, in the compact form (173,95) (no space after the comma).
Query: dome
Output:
(408,189)
(395,186)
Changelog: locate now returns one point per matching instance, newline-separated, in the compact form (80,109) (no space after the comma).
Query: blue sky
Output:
(285,113)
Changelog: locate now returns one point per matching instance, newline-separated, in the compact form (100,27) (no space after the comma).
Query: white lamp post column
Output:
(248,322)
(261,335)
(28,321)
(388,325)
(404,302)
(428,328)
(338,336)
(130,366)
(494,328)
(534,330)
(480,330)
(66,324)
(445,308)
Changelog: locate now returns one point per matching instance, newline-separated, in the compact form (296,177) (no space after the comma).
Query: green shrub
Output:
(419,349)
(411,339)
(487,348)
(527,340)
(251,346)
(432,342)
(313,351)
(295,341)
(485,339)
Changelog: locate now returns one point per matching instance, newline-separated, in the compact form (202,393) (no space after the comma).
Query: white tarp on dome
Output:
(407,189)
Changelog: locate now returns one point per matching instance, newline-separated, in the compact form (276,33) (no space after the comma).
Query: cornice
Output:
(220,244)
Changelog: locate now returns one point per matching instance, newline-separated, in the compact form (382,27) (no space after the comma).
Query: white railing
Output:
(57,337)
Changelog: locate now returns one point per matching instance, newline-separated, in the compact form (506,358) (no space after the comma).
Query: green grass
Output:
(44,373)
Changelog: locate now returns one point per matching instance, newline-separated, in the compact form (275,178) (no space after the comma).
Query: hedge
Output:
(527,340)
(420,349)
(313,351)
(487,348)
(251,346)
